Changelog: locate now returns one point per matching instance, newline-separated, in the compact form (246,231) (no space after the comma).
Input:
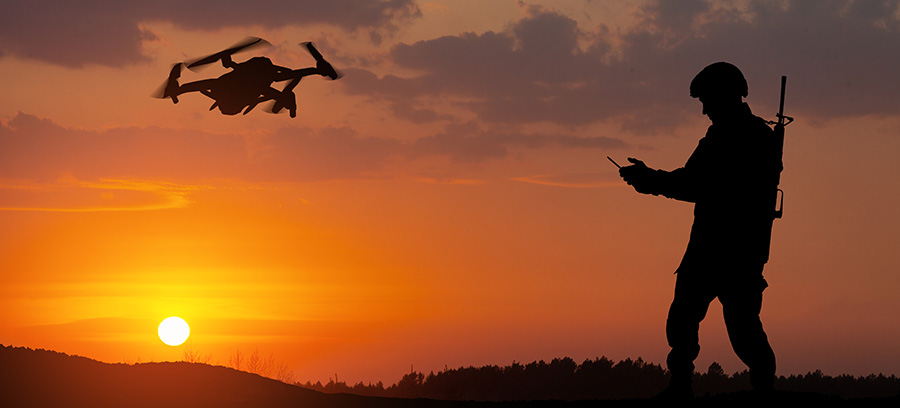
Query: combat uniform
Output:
(731,177)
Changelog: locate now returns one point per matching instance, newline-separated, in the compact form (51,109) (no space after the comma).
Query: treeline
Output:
(601,378)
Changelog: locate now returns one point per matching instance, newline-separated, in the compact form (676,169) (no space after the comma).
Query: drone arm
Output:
(280,70)
(286,74)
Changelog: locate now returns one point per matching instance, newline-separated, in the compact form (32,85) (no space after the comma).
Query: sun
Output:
(173,331)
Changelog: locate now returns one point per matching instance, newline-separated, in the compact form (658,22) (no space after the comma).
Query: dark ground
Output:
(39,378)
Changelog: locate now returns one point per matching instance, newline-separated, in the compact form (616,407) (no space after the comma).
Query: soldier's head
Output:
(719,86)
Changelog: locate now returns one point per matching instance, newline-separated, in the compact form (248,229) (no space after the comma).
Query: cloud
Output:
(32,148)
(294,154)
(39,149)
(841,59)
(468,142)
(575,180)
(102,328)
(410,110)
(96,196)
(450,181)
(73,34)
(535,71)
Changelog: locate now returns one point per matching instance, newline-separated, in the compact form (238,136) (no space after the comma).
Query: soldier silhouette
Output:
(730,178)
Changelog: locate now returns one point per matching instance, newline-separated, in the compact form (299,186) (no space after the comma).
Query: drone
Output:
(249,83)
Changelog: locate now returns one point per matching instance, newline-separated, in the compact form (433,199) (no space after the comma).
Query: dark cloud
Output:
(35,148)
(841,58)
(74,33)
(534,72)
(71,33)
(334,153)
(462,142)
(39,149)
(407,109)
(541,51)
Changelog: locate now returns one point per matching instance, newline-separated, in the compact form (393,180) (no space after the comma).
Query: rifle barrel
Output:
(781,103)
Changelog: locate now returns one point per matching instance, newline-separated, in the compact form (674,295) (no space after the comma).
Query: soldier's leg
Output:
(692,299)
(741,305)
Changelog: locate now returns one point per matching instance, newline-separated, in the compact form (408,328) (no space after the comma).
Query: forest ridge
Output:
(561,379)
(600,378)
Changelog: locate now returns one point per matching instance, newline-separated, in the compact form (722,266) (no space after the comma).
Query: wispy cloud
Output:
(456,181)
(34,148)
(572,180)
(71,195)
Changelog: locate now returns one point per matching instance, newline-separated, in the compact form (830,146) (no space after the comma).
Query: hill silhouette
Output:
(42,378)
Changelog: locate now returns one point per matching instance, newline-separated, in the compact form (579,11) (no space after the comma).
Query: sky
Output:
(448,201)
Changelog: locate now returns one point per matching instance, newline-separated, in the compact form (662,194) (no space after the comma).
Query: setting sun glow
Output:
(173,331)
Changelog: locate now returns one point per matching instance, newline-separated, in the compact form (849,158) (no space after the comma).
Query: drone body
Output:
(249,83)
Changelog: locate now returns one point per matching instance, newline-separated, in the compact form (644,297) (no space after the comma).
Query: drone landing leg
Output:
(285,98)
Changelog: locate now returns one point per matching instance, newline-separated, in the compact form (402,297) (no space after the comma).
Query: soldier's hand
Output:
(636,162)
(635,172)
(639,176)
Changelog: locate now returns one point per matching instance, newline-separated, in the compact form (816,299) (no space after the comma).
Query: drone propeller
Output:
(321,64)
(169,89)
(160,91)
(249,42)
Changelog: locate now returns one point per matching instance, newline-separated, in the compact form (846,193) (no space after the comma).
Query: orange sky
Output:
(447,202)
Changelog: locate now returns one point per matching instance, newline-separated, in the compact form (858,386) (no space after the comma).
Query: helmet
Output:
(720,78)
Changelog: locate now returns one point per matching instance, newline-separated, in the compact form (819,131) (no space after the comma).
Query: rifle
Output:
(780,123)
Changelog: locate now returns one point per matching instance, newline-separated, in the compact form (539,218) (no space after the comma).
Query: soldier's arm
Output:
(679,184)
(676,184)
(689,182)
